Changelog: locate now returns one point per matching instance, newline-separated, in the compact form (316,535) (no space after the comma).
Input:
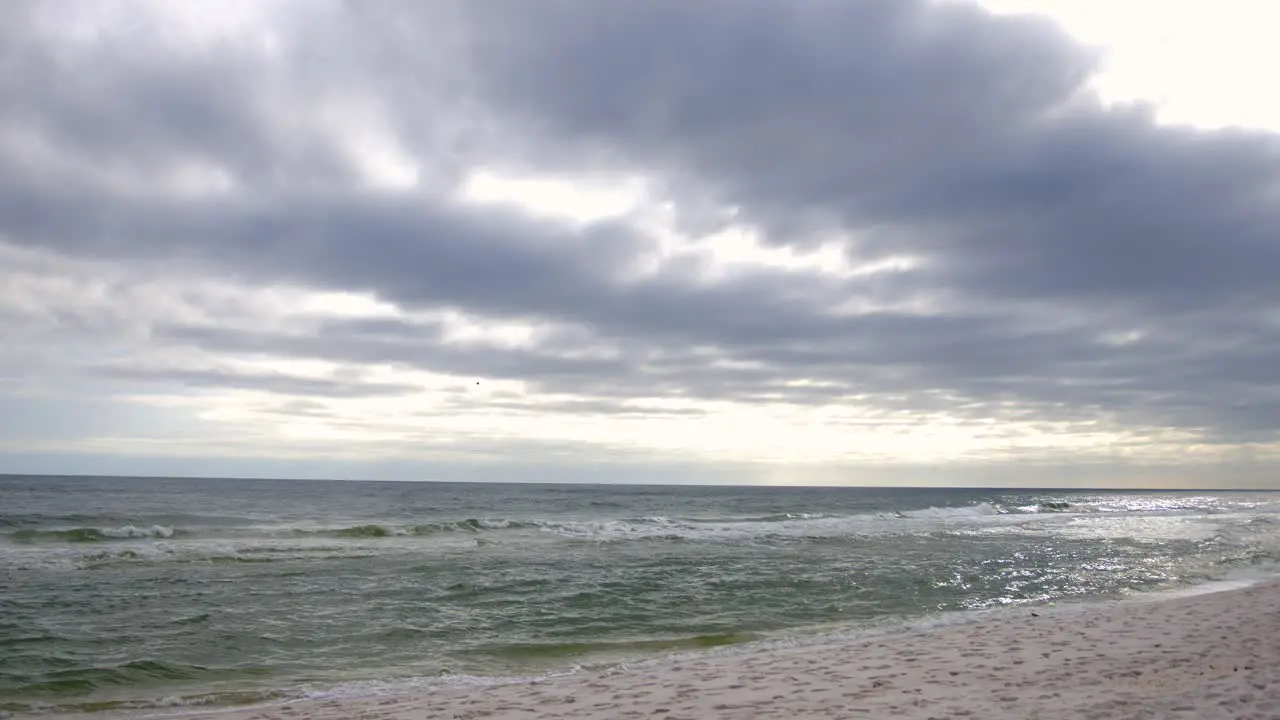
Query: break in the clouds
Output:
(872,241)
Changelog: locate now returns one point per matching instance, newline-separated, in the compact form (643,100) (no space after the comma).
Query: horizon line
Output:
(1003,488)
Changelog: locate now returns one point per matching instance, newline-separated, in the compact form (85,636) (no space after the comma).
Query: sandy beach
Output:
(1212,655)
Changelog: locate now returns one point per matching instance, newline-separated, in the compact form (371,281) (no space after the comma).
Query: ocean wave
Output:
(56,705)
(85,680)
(94,534)
(375,530)
(661,526)
(785,526)
(788,524)
(970,511)
(777,517)
(791,525)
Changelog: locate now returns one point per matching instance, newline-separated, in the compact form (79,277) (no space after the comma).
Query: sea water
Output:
(131,593)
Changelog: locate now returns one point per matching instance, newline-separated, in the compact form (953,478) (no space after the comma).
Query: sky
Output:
(948,242)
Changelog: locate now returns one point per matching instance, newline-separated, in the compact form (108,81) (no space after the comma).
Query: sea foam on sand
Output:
(1201,656)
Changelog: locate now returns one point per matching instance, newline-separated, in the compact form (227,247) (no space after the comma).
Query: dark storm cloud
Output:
(1043,220)
(934,127)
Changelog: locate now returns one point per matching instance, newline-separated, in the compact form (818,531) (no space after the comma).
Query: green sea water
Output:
(131,593)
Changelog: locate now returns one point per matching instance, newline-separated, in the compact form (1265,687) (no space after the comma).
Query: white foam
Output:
(661,527)
(970,511)
(790,525)
(133,531)
(175,701)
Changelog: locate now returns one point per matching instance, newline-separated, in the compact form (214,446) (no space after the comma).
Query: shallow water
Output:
(143,592)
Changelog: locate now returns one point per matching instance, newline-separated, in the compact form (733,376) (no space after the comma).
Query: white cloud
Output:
(1200,63)
(575,200)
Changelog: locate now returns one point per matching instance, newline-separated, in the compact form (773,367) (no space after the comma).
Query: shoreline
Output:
(1199,652)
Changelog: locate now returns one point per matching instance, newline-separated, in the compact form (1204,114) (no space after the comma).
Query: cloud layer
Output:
(883,233)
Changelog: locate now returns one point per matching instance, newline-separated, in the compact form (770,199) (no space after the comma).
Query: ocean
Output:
(137,593)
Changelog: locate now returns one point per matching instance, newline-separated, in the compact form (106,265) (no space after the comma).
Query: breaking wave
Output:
(82,680)
(373,530)
(796,525)
(93,534)
(970,511)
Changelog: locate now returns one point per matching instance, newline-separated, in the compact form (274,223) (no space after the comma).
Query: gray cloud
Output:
(1046,225)
(936,128)
(270,382)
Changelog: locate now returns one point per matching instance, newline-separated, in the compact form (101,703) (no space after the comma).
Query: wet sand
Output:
(1200,657)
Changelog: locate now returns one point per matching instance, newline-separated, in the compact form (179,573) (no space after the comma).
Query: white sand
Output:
(1200,657)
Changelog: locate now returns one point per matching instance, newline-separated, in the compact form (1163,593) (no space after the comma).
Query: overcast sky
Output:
(803,241)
